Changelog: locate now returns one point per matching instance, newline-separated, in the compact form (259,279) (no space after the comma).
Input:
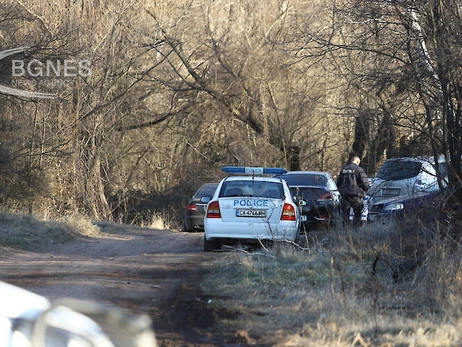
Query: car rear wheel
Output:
(210,245)
(187,225)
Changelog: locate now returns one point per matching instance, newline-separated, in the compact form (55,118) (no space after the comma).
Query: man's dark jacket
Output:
(352,181)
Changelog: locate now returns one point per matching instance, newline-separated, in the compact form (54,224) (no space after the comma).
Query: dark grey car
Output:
(195,210)
(319,193)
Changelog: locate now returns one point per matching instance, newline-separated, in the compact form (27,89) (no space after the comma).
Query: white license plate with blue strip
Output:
(250,213)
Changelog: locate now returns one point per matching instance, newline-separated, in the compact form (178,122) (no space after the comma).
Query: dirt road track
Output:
(142,270)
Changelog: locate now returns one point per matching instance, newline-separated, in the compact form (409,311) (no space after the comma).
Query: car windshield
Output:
(307,194)
(305,180)
(252,188)
(205,190)
(393,170)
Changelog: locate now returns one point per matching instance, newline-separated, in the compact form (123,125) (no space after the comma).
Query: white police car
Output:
(250,206)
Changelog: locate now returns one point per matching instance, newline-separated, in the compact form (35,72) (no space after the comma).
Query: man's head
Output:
(355,159)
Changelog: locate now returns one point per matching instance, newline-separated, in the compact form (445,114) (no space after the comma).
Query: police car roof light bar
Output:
(246,170)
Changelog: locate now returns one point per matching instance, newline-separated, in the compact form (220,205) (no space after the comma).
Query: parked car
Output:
(406,177)
(251,207)
(319,193)
(195,210)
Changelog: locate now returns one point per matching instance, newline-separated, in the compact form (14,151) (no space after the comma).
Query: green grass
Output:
(326,294)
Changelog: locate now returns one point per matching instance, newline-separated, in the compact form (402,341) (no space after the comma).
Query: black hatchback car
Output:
(195,210)
(317,195)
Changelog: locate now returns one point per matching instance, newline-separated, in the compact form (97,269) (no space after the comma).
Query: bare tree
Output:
(238,65)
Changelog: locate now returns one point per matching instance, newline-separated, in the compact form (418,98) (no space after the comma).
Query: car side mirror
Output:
(206,199)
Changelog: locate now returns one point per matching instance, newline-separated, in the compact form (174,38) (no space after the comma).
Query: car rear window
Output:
(393,170)
(254,188)
(305,180)
(307,194)
(205,190)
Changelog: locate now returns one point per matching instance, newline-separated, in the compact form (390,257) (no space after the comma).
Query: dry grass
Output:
(385,285)
(20,231)
(159,221)
(27,232)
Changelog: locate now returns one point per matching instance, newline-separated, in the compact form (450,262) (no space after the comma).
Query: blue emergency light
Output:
(247,170)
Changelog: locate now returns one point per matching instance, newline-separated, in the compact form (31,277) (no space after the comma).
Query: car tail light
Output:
(325,196)
(213,210)
(192,207)
(288,212)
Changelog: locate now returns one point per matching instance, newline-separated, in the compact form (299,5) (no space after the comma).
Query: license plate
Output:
(250,213)
(391,191)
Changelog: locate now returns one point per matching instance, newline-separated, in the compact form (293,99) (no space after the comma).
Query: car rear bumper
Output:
(194,223)
(319,211)
(284,230)
(311,219)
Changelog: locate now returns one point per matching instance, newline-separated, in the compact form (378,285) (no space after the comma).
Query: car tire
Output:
(210,245)
(186,227)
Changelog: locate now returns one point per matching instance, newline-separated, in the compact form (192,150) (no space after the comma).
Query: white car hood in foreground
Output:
(30,320)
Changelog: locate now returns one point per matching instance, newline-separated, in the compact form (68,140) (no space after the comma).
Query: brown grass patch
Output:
(373,287)
(26,232)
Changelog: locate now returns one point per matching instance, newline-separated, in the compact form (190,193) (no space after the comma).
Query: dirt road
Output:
(142,270)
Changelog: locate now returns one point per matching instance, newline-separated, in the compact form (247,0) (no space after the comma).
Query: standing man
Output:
(352,184)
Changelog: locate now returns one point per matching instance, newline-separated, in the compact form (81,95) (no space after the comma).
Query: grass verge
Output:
(384,285)
(26,232)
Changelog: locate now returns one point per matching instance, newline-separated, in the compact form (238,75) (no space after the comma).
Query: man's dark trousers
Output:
(352,202)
